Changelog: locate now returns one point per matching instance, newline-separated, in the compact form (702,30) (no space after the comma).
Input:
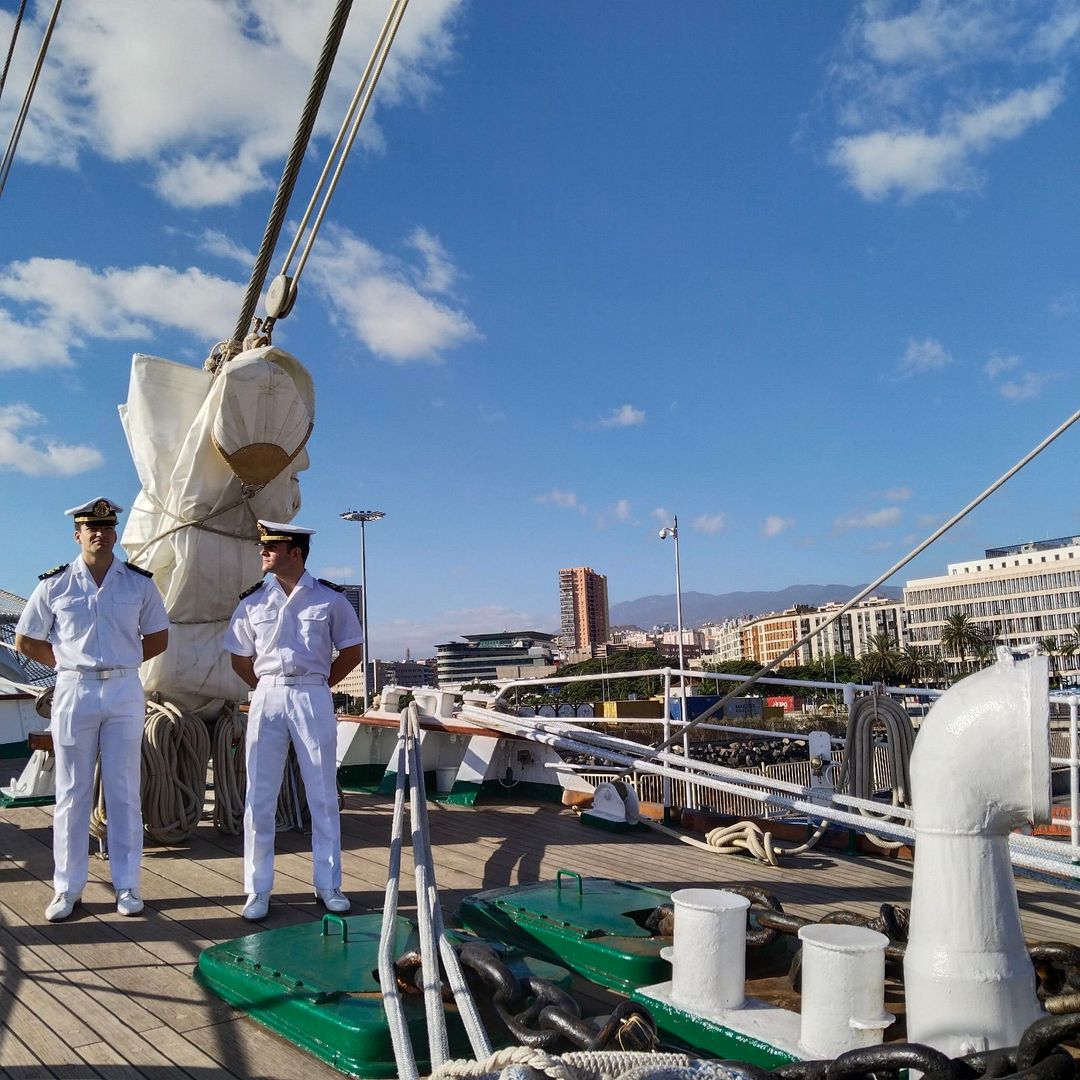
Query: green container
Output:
(594,926)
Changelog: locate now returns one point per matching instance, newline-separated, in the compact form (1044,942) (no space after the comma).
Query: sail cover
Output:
(213,454)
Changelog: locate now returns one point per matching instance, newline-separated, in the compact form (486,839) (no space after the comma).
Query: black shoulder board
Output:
(53,572)
(248,592)
(331,585)
(138,569)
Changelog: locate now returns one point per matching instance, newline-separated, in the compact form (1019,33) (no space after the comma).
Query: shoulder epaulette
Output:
(54,571)
(138,569)
(331,585)
(248,592)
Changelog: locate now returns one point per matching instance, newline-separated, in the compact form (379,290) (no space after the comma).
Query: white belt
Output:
(292,680)
(101,673)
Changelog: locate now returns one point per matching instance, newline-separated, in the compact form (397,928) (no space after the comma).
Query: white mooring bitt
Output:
(843,989)
(709,954)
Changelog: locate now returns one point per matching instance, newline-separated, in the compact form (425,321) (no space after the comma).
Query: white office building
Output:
(1019,594)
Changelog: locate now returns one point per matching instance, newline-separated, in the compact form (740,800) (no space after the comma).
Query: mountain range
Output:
(698,608)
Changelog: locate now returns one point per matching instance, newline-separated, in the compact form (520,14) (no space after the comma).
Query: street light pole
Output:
(672,530)
(363,516)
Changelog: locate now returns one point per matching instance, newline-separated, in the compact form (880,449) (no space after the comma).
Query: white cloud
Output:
(898,494)
(568,500)
(624,416)
(774,525)
(63,304)
(710,523)
(210,132)
(924,356)
(373,295)
(1066,303)
(869,519)
(217,243)
(439,273)
(344,575)
(998,364)
(926,95)
(35,456)
(621,511)
(1023,384)
(1028,384)
(662,515)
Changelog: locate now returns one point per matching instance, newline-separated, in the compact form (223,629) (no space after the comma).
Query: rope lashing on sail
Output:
(739,688)
(194,523)
(24,110)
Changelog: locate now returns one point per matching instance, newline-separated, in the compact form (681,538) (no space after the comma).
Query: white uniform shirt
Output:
(91,628)
(292,634)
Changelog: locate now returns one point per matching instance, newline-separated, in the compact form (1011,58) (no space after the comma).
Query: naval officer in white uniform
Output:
(282,637)
(95,620)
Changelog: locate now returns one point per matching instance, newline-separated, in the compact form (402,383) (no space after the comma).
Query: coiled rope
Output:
(175,754)
(743,837)
(857,773)
(230,773)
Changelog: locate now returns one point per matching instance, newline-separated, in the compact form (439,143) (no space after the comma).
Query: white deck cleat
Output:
(63,904)
(333,900)
(257,907)
(128,902)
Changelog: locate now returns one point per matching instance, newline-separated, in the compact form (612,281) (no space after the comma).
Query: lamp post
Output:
(672,531)
(363,516)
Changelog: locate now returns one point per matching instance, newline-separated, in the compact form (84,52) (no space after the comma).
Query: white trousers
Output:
(303,715)
(91,716)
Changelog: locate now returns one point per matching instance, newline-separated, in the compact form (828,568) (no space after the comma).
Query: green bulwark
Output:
(594,926)
(316,985)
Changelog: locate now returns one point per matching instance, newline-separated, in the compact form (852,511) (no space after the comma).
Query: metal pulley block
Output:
(280,297)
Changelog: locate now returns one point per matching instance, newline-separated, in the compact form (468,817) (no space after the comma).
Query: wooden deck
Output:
(112,998)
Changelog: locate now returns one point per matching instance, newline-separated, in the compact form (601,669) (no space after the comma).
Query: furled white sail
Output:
(213,454)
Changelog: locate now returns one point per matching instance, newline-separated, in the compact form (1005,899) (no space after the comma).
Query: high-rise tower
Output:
(583,608)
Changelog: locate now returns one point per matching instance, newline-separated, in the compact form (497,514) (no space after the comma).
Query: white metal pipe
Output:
(709,950)
(981,767)
(843,989)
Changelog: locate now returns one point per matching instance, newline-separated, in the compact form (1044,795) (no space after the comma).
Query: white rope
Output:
(175,753)
(230,772)
(582,1065)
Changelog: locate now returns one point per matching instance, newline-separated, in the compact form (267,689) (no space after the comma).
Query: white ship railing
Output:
(781,791)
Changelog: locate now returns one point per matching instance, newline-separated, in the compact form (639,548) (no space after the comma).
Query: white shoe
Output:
(333,900)
(257,906)
(128,902)
(63,904)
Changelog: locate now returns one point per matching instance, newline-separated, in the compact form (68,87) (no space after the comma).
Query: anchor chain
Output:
(536,1012)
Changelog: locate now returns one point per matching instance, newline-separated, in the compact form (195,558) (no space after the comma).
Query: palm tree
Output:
(1067,648)
(1049,645)
(879,663)
(912,664)
(960,636)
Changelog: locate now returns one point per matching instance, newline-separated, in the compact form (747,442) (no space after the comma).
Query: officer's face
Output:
(278,555)
(96,539)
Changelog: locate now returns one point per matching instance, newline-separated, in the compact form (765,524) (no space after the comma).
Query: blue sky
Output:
(804,274)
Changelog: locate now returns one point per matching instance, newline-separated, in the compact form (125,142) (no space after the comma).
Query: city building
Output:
(765,638)
(583,608)
(1017,595)
(722,641)
(478,657)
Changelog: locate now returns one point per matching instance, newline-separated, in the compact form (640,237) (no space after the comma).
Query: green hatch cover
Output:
(592,925)
(316,985)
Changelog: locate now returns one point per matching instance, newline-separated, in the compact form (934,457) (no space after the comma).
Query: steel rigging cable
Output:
(11,46)
(20,120)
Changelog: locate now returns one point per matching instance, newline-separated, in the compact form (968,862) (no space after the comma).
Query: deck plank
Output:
(117,995)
